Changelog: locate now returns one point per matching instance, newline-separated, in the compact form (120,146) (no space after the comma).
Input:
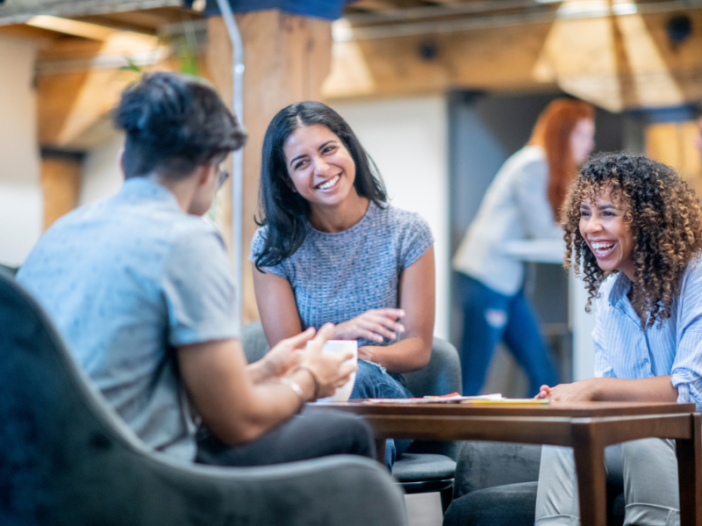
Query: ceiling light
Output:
(624,8)
(583,8)
(341,30)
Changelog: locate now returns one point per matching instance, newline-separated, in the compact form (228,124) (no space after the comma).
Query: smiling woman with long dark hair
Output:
(330,249)
(633,230)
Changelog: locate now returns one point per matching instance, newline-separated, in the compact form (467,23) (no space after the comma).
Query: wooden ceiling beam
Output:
(360,6)
(24,31)
(533,56)
(120,24)
(73,95)
(145,21)
(481,59)
(70,27)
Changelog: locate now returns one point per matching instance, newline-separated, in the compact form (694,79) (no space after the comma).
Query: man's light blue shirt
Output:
(624,350)
(127,280)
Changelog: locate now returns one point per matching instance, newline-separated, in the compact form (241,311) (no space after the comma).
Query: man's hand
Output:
(328,369)
(280,359)
(372,325)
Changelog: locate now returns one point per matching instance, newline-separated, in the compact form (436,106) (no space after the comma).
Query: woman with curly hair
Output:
(633,229)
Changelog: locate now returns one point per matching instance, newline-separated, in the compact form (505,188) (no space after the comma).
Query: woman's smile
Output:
(329,183)
(602,249)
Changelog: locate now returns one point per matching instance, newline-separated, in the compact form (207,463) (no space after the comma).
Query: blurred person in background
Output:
(522,202)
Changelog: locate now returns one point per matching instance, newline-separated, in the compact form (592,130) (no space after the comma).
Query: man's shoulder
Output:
(196,233)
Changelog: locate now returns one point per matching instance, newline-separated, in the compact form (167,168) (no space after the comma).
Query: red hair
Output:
(552,132)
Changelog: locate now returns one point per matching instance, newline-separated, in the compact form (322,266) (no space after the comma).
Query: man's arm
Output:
(237,410)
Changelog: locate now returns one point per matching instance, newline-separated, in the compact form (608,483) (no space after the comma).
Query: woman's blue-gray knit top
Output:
(336,277)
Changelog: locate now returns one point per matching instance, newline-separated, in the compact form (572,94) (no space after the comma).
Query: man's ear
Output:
(206,172)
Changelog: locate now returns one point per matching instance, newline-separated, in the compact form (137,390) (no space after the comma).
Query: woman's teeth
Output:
(602,249)
(329,183)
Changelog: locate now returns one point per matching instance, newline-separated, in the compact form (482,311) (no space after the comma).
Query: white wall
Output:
(21,204)
(406,138)
(102,175)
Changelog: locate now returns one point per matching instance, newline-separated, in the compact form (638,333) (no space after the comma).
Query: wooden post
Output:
(287,58)
(673,143)
(60,183)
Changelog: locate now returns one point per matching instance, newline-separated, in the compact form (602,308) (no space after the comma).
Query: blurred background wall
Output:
(21,204)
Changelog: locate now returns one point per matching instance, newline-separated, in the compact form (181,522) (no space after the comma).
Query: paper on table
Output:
(453,398)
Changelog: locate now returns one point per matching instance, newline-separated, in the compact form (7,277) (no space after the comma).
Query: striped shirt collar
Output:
(619,299)
(620,288)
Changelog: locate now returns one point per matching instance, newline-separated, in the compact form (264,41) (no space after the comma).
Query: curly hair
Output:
(666,224)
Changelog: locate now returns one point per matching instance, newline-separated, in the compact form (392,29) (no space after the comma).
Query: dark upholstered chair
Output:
(430,466)
(426,466)
(496,485)
(67,459)
(11,271)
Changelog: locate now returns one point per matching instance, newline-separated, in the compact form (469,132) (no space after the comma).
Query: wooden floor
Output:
(424,509)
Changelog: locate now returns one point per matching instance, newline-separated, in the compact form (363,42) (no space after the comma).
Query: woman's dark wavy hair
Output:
(283,211)
(174,123)
(666,224)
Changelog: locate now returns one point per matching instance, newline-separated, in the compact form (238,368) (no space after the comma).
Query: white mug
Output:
(343,393)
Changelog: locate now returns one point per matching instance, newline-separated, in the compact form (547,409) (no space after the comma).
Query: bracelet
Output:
(298,391)
(314,379)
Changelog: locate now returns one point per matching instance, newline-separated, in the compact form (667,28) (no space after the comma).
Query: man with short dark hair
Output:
(139,286)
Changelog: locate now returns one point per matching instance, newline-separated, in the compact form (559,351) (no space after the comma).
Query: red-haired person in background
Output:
(523,202)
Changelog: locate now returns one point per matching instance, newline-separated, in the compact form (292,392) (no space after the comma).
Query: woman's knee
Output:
(373,382)
(644,451)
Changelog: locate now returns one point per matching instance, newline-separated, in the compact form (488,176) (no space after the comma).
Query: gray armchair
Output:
(66,458)
(496,485)
(426,466)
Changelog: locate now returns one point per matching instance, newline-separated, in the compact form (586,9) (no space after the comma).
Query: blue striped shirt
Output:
(624,350)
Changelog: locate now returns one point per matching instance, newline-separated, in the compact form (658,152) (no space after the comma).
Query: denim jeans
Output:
(488,318)
(373,381)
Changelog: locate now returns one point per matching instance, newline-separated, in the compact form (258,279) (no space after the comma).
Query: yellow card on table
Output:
(524,401)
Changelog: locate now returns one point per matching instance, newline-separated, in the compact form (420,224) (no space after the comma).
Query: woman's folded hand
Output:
(373,325)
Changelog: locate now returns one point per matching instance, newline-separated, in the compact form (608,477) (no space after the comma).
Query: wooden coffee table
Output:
(587,427)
